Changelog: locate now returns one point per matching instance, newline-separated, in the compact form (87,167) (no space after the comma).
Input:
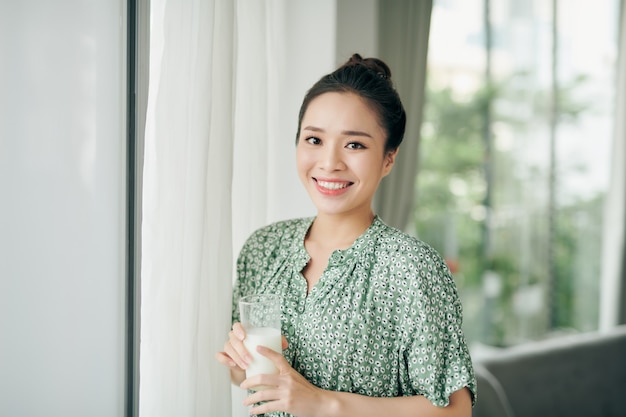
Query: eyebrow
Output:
(344,132)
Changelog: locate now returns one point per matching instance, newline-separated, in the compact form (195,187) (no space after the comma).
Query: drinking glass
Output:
(260,317)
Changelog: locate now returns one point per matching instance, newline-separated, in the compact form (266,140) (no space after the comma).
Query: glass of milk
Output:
(260,317)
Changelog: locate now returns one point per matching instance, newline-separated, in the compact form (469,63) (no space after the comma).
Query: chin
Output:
(329,211)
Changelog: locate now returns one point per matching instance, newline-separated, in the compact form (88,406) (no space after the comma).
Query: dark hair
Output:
(370,79)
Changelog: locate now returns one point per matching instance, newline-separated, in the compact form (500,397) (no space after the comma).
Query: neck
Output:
(340,232)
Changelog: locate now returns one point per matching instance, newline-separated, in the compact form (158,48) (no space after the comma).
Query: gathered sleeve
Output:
(436,355)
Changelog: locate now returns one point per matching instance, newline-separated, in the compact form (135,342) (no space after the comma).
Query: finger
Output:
(264,380)
(263,401)
(277,358)
(235,353)
(237,336)
(239,331)
(284,342)
(223,358)
(234,356)
(268,394)
(266,407)
(238,346)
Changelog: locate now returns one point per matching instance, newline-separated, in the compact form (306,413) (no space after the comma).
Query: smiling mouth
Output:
(333,185)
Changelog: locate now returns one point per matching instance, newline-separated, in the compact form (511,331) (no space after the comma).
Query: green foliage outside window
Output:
(499,250)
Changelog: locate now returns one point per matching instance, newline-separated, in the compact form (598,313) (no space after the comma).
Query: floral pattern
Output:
(384,320)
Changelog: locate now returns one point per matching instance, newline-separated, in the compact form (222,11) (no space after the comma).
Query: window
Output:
(514,160)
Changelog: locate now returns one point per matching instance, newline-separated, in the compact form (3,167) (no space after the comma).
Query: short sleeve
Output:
(437,356)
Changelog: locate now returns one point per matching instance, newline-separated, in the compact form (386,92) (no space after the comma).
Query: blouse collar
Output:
(361,245)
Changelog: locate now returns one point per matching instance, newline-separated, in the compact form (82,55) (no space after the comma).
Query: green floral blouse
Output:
(384,320)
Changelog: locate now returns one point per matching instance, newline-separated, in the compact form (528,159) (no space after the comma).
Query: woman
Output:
(371,316)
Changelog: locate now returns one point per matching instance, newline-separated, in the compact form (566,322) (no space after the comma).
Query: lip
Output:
(329,184)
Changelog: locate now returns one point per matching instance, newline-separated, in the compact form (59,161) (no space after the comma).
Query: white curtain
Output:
(613,285)
(186,229)
(257,129)
(225,88)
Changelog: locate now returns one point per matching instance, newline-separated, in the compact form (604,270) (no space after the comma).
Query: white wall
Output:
(62,136)
(357,29)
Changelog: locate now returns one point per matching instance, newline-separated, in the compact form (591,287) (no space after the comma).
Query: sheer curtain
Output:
(257,109)
(613,288)
(403,43)
(260,69)
(186,229)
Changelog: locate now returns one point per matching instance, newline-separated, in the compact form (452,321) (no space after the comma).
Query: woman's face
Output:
(341,154)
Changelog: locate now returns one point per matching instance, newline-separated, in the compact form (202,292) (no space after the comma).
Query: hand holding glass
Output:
(260,317)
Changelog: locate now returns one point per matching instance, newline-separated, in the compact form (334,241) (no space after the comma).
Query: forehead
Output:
(341,110)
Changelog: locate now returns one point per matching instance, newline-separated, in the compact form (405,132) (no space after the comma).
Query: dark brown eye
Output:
(355,145)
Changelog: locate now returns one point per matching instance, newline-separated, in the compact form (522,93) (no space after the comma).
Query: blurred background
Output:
(515,160)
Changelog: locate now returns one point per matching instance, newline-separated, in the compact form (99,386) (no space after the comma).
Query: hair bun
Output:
(369,79)
(374,64)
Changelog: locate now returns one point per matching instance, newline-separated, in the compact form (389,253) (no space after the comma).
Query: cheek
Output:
(302,163)
(368,167)
(371,171)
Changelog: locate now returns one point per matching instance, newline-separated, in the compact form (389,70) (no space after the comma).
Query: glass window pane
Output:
(514,161)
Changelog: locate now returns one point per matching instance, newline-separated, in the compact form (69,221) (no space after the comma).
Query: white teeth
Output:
(332,185)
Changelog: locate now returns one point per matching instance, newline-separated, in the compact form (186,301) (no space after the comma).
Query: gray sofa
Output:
(576,375)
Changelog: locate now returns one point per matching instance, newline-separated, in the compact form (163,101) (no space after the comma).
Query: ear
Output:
(390,159)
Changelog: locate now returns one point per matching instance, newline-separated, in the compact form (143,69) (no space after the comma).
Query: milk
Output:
(262,336)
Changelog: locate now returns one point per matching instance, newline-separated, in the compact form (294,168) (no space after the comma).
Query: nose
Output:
(331,158)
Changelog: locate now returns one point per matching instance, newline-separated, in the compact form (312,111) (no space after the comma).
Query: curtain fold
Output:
(613,285)
(403,44)
(259,55)
(259,60)
(186,215)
